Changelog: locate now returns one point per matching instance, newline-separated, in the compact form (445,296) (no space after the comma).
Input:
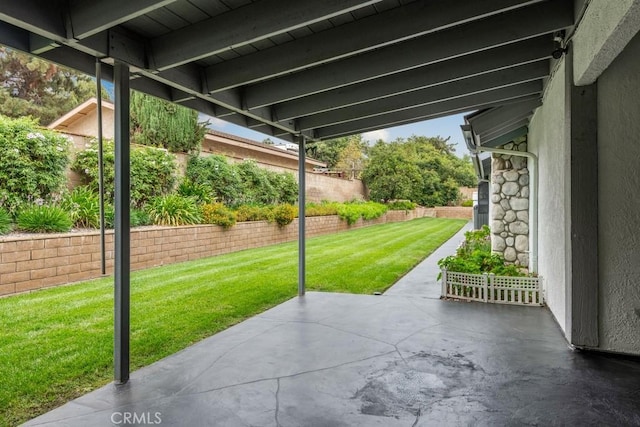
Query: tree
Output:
(160,123)
(351,158)
(30,86)
(327,151)
(420,169)
(388,175)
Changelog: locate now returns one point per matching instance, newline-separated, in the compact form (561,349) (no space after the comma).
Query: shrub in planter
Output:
(351,212)
(254,213)
(139,217)
(474,256)
(32,163)
(200,192)
(284,214)
(83,206)
(44,219)
(219,214)
(321,209)
(467,203)
(401,205)
(174,210)
(5,221)
(152,171)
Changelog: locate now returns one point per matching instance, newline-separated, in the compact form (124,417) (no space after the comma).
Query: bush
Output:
(174,210)
(44,219)
(241,184)
(138,217)
(351,212)
(200,192)
(254,213)
(5,221)
(32,163)
(286,187)
(219,214)
(474,256)
(284,214)
(323,209)
(152,171)
(467,203)
(83,206)
(257,186)
(401,205)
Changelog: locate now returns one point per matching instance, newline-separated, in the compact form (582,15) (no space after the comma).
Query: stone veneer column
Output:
(510,205)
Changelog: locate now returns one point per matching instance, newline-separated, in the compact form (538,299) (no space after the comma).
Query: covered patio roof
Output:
(295,69)
(321,69)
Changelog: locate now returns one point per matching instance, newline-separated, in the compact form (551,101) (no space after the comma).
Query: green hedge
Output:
(153,171)
(32,163)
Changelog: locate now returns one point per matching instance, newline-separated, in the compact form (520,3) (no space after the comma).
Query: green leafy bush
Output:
(219,214)
(351,212)
(139,217)
(5,221)
(474,256)
(257,186)
(284,214)
(401,205)
(245,183)
(216,173)
(467,203)
(32,163)
(152,171)
(83,206)
(200,192)
(174,209)
(254,213)
(286,187)
(321,209)
(44,219)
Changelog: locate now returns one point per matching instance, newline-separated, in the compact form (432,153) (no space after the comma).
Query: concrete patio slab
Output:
(357,360)
(405,358)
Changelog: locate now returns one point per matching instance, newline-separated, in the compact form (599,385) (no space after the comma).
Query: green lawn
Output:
(56,344)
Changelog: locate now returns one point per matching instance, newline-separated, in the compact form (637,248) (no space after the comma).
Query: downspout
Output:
(533,198)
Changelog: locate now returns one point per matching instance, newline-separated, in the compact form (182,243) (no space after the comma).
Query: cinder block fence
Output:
(32,262)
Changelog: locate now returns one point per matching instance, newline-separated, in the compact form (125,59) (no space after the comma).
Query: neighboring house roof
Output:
(79,113)
(226,143)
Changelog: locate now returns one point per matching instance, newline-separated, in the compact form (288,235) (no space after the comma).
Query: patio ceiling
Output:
(321,69)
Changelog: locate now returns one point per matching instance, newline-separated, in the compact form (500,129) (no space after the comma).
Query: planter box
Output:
(492,288)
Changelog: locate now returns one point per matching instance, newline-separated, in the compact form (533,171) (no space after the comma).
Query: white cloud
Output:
(375,135)
(214,122)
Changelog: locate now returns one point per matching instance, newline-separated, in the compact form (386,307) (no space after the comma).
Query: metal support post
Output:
(122,227)
(301,215)
(103,265)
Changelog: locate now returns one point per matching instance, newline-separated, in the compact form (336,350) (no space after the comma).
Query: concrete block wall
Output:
(32,262)
(459,212)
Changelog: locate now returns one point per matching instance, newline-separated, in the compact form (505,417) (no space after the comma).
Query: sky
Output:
(445,127)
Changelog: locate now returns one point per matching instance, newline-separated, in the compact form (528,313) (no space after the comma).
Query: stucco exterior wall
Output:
(549,133)
(607,26)
(619,205)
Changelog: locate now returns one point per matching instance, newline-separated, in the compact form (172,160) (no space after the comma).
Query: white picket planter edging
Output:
(491,288)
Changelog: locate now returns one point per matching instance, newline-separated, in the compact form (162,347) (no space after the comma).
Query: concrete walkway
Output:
(340,360)
(422,280)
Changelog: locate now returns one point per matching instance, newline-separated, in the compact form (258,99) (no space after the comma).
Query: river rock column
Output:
(509,207)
